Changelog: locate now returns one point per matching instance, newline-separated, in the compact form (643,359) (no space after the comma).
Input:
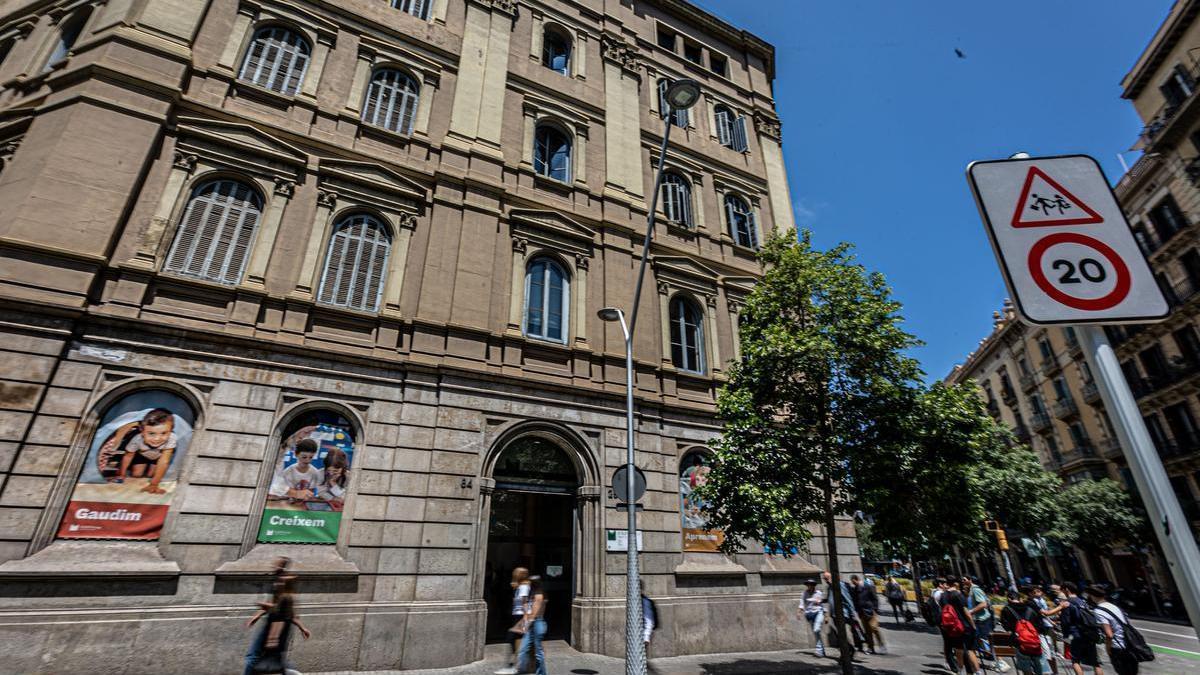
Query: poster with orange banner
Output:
(129,476)
(697,537)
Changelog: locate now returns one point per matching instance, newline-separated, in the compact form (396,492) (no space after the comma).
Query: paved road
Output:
(915,649)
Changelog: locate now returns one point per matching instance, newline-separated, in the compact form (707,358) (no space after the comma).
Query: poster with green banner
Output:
(307,493)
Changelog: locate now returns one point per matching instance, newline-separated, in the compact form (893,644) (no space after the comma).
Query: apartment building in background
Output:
(1162,203)
(1036,382)
(317,279)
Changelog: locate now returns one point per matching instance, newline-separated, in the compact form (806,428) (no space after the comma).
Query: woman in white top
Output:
(812,604)
(520,586)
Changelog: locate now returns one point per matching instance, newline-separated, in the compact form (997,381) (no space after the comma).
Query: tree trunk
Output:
(845,647)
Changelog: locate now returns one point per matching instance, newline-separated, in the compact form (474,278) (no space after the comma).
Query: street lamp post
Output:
(680,95)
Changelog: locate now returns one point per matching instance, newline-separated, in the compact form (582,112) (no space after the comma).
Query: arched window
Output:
(216,231)
(677,199)
(391,100)
(356,263)
(68,35)
(678,117)
(552,153)
(276,60)
(687,335)
(418,8)
(741,222)
(556,51)
(313,474)
(731,129)
(546,300)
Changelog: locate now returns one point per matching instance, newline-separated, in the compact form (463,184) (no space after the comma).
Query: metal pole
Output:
(635,649)
(662,158)
(1166,518)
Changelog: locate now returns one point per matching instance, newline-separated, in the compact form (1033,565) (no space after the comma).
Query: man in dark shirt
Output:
(1076,633)
(963,646)
(866,603)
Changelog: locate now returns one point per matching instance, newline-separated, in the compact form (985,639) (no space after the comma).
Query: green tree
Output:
(821,386)
(1095,514)
(1017,490)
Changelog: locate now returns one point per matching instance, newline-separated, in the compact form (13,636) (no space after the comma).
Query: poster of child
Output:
(131,470)
(312,478)
(696,535)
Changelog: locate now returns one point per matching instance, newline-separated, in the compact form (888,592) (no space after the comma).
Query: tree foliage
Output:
(1095,514)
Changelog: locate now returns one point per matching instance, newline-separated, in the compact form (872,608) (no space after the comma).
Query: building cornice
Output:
(1182,13)
(725,31)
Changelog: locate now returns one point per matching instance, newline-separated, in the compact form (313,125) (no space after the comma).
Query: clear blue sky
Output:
(881,117)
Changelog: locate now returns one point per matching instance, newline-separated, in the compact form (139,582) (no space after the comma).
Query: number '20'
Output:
(1088,268)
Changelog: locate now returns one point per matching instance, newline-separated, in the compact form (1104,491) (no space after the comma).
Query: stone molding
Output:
(767,126)
(620,52)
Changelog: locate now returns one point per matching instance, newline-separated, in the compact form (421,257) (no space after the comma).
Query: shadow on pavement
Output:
(764,667)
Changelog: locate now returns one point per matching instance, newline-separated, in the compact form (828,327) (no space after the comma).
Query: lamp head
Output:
(683,94)
(609,314)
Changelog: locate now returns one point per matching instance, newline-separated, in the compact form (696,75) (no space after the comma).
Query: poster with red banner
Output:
(131,470)
(697,537)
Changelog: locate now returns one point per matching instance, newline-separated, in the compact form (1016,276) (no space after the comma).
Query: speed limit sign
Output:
(1067,253)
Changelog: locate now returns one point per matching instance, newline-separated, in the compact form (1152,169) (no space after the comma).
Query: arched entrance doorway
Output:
(533,524)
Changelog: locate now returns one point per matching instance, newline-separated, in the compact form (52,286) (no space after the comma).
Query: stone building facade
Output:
(385,228)
(1160,197)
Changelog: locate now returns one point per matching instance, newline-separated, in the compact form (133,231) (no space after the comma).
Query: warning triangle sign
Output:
(1045,203)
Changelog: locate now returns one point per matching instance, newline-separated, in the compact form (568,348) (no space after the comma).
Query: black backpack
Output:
(931,611)
(1135,644)
(1089,626)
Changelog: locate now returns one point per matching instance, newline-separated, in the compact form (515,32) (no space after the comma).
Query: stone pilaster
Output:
(623,144)
(770,139)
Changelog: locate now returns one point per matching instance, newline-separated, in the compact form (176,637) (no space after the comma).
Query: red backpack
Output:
(1029,642)
(952,626)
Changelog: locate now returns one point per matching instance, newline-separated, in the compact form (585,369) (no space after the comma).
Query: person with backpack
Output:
(895,596)
(1081,630)
(1125,645)
(985,622)
(931,611)
(958,629)
(1024,621)
(1039,601)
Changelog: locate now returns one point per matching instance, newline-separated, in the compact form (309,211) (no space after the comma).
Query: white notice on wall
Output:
(618,540)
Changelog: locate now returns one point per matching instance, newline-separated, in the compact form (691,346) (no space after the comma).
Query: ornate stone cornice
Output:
(327,198)
(581,261)
(408,221)
(520,244)
(505,6)
(768,126)
(285,187)
(620,52)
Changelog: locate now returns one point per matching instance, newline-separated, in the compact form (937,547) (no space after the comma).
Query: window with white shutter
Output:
(552,153)
(741,221)
(215,234)
(356,263)
(277,60)
(677,199)
(687,335)
(418,8)
(739,135)
(678,117)
(731,128)
(391,101)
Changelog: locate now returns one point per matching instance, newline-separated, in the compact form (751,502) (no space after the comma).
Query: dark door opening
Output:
(532,530)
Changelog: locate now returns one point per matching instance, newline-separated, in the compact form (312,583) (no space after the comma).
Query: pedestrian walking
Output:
(535,629)
(649,616)
(1047,629)
(849,615)
(812,608)
(1024,621)
(1081,629)
(1118,638)
(895,596)
(269,653)
(932,609)
(985,622)
(520,605)
(958,628)
(866,603)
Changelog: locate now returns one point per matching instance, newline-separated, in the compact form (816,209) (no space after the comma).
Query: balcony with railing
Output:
(1039,422)
(1049,366)
(1065,407)
(1162,120)
(1082,452)
(1090,392)
(1110,448)
(1027,382)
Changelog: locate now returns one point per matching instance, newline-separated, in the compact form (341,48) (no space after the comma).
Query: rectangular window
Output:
(1060,389)
(1024,366)
(666,39)
(1078,435)
(1188,344)
(1035,402)
(1178,87)
(1143,240)
(717,64)
(1166,218)
(1168,291)
(1046,349)
(1191,266)
(1153,361)
(693,53)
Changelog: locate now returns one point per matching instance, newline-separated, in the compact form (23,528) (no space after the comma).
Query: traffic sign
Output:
(1066,251)
(620,484)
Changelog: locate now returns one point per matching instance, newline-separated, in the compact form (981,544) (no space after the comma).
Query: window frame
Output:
(543,164)
(340,222)
(424,7)
(550,263)
(181,221)
(680,323)
(677,199)
(301,39)
(680,118)
(72,25)
(405,82)
(730,128)
(751,226)
(552,35)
